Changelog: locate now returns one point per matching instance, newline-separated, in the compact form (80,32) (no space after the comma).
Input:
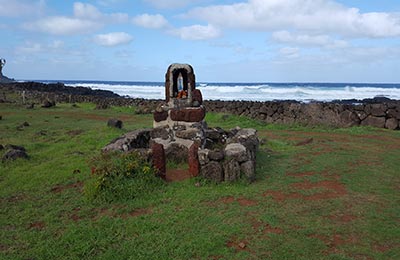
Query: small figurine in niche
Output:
(181,92)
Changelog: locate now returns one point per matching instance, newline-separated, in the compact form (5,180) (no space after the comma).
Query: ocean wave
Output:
(256,92)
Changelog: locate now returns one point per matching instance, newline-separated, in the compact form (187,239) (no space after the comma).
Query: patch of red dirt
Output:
(136,213)
(382,248)
(177,175)
(227,200)
(335,241)
(305,142)
(238,245)
(334,189)
(60,188)
(242,201)
(280,196)
(110,213)
(265,228)
(39,225)
(246,202)
(343,218)
(74,215)
(302,174)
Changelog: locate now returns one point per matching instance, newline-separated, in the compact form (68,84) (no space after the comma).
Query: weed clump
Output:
(121,176)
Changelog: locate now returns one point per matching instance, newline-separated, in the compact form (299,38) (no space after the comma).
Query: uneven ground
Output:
(320,194)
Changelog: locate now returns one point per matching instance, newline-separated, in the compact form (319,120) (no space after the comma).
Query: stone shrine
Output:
(180,134)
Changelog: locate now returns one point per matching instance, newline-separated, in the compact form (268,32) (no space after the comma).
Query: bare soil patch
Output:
(177,175)
(39,225)
(242,201)
(60,187)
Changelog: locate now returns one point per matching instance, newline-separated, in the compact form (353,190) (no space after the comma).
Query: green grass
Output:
(335,198)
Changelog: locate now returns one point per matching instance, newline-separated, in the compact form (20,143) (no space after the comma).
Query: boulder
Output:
(237,151)
(376,109)
(47,103)
(113,122)
(231,170)
(15,147)
(392,123)
(374,121)
(212,171)
(349,118)
(394,112)
(136,139)
(248,169)
(216,155)
(14,154)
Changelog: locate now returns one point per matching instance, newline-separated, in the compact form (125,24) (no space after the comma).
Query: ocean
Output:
(304,92)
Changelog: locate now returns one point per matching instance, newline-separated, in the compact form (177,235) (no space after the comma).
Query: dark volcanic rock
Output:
(392,123)
(248,169)
(47,103)
(216,155)
(136,139)
(374,121)
(14,154)
(231,170)
(212,171)
(113,122)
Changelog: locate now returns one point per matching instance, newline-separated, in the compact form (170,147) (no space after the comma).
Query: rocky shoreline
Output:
(377,112)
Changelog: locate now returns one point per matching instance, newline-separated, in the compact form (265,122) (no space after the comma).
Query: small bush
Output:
(120,176)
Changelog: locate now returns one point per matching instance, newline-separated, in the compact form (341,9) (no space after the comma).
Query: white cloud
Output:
(87,18)
(156,21)
(86,11)
(61,25)
(18,8)
(317,16)
(90,12)
(311,40)
(113,39)
(196,32)
(169,4)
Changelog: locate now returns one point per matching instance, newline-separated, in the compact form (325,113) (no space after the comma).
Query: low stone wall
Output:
(382,113)
(368,113)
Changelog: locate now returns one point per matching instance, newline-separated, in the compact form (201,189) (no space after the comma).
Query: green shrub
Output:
(121,176)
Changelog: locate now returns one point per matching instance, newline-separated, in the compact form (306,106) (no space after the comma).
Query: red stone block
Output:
(193,160)
(197,96)
(159,159)
(188,114)
(160,116)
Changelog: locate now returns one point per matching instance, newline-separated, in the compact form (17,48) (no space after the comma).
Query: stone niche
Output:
(180,134)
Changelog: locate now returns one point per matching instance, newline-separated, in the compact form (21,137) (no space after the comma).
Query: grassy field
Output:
(335,196)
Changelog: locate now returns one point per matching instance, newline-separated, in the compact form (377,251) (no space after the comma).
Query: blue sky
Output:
(224,40)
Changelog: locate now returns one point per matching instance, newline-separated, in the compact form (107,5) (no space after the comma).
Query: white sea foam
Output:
(257,92)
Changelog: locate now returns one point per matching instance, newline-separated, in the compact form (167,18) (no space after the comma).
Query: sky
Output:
(224,40)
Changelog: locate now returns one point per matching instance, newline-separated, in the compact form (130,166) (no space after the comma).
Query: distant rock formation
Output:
(3,79)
